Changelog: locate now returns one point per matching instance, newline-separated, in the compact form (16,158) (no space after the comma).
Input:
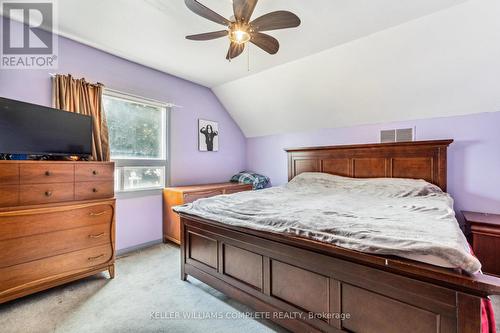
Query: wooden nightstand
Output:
(174,196)
(485,230)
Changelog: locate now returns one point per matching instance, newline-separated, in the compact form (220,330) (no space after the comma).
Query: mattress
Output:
(408,218)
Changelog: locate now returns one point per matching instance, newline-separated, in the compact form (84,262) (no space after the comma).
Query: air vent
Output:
(404,135)
(396,135)
(388,136)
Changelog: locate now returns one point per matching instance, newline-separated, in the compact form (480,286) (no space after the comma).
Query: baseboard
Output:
(134,248)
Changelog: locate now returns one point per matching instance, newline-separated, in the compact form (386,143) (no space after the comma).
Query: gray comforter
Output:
(403,217)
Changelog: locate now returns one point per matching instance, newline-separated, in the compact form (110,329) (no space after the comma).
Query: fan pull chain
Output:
(248,58)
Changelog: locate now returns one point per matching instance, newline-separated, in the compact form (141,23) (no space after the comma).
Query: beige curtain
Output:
(79,96)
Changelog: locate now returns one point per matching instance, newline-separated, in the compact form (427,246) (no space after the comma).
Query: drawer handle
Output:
(95,190)
(95,172)
(96,257)
(47,173)
(48,193)
(98,214)
(97,236)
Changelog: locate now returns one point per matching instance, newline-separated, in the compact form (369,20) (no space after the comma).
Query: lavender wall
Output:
(474,158)
(139,220)
(473,161)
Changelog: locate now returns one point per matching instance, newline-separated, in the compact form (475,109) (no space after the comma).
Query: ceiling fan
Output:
(241,30)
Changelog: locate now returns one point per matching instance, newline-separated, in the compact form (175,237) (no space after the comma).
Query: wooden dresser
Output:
(174,196)
(57,224)
(485,230)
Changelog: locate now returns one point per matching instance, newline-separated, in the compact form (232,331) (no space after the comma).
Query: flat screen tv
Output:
(38,130)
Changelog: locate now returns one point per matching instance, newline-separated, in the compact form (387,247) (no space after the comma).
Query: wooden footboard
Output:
(306,289)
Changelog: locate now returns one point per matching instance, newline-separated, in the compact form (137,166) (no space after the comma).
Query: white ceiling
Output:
(444,64)
(350,62)
(151,32)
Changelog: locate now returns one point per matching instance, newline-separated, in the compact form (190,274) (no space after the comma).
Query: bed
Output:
(307,284)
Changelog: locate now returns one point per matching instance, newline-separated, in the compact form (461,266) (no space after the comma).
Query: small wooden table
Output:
(485,230)
(174,196)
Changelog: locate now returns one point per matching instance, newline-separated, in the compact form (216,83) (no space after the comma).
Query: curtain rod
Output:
(170,105)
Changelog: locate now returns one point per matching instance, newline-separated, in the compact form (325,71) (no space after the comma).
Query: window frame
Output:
(163,161)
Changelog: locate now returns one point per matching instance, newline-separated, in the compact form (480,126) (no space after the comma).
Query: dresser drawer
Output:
(9,173)
(44,173)
(193,196)
(94,172)
(24,223)
(46,193)
(9,195)
(21,250)
(53,268)
(237,189)
(94,190)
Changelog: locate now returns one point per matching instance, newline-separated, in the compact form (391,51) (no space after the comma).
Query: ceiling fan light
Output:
(239,36)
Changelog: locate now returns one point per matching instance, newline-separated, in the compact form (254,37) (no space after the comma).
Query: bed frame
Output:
(308,286)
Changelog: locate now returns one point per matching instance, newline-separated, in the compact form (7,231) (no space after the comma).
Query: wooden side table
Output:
(174,196)
(485,230)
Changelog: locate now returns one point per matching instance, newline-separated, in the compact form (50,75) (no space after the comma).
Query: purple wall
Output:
(473,160)
(139,220)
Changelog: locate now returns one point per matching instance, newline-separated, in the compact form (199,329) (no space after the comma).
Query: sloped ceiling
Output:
(350,62)
(447,63)
(151,32)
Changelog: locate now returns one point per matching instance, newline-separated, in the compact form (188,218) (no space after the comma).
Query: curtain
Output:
(79,96)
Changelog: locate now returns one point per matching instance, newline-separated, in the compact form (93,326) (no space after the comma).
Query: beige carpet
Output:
(147,282)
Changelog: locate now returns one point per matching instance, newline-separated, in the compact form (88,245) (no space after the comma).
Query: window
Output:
(138,140)
(143,178)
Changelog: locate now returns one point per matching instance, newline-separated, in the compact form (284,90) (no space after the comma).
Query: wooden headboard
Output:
(419,159)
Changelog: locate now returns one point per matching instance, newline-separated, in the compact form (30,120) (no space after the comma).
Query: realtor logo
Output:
(28,41)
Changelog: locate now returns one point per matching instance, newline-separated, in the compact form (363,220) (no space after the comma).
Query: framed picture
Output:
(208,135)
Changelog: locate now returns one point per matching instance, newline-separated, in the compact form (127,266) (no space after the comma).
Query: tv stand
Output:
(57,224)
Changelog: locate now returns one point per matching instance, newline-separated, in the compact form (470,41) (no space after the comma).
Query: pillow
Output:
(248,177)
(386,187)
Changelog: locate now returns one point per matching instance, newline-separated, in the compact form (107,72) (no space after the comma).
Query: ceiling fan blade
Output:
(206,12)
(265,42)
(235,50)
(243,9)
(208,35)
(276,20)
